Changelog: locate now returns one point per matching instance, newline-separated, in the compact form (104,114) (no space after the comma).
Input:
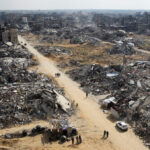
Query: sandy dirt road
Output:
(89,116)
(142,51)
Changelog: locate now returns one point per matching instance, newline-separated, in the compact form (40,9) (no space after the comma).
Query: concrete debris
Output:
(19,52)
(63,102)
(26,95)
(85,39)
(32,96)
(114,74)
(123,48)
(128,88)
(53,50)
(96,74)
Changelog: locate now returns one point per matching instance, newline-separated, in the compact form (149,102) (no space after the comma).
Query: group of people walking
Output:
(78,139)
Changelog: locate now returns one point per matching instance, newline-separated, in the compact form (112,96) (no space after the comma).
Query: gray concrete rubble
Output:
(48,51)
(25,95)
(125,48)
(129,86)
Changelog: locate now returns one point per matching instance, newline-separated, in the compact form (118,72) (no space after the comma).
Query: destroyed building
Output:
(26,95)
(128,86)
(8,34)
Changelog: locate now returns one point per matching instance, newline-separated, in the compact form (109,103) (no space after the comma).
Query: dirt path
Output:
(142,50)
(90,112)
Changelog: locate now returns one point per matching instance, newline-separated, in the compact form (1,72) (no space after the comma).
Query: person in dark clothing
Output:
(107,134)
(87,93)
(80,139)
(77,105)
(104,135)
(77,140)
(72,139)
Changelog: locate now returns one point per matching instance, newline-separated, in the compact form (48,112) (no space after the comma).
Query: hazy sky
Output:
(74,4)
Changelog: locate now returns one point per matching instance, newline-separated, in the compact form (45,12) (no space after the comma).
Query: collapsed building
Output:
(138,22)
(128,88)
(26,95)
(129,21)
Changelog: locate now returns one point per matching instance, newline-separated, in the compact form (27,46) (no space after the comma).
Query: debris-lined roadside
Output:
(129,87)
(122,82)
(72,89)
(25,95)
(58,130)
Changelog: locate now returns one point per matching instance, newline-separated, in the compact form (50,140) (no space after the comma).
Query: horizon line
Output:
(71,9)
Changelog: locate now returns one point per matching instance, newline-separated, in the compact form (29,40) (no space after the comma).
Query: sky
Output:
(73,4)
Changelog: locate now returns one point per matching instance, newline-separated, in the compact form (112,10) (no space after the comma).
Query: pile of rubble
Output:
(71,63)
(123,46)
(94,77)
(25,95)
(15,70)
(80,39)
(129,86)
(126,49)
(19,52)
(50,38)
(52,50)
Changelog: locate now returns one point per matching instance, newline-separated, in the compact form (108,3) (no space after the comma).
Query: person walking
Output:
(77,105)
(104,135)
(107,134)
(72,139)
(77,140)
(80,139)
(87,93)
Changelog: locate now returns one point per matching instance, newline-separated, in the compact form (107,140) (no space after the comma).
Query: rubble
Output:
(19,52)
(128,86)
(96,79)
(47,51)
(81,39)
(26,95)
(31,96)
(125,48)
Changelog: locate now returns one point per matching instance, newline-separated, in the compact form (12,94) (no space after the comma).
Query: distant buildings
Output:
(8,34)
(24,19)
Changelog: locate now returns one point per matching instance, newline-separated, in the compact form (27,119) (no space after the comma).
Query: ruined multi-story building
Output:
(8,34)
(25,20)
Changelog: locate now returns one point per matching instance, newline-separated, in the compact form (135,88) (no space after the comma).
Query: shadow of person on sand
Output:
(73,146)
